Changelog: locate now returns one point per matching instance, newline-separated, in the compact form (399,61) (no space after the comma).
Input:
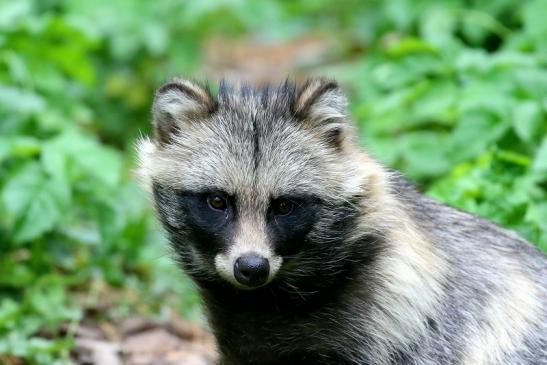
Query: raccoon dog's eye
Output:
(217,202)
(283,207)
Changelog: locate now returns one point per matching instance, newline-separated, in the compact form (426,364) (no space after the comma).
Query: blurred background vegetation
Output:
(453,93)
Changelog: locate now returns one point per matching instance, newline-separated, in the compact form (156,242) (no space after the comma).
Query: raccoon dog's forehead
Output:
(263,142)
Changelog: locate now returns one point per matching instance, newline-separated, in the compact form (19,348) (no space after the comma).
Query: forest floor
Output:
(139,341)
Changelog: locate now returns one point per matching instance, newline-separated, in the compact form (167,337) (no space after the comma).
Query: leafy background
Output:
(453,93)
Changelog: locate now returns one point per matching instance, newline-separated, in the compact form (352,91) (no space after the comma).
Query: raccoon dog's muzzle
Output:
(249,262)
(247,270)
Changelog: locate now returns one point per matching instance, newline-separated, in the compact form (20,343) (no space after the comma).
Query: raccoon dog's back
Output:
(308,251)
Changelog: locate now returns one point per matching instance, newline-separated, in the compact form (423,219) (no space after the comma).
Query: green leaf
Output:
(423,154)
(18,100)
(527,120)
(438,24)
(513,157)
(25,146)
(410,45)
(5,148)
(534,21)
(13,11)
(35,201)
(475,131)
(19,146)
(532,80)
(110,223)
(540,160)
(85,154)
(9,311)
(537,214)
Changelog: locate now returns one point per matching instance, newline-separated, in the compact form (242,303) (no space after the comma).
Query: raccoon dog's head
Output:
(256,186)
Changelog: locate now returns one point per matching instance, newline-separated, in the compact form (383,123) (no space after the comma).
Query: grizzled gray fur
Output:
(306,250)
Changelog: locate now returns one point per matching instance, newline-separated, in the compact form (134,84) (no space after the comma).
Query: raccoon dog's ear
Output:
(321,104)
(177,102)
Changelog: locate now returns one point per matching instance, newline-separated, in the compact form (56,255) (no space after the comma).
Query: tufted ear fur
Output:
(177,102)
(321,104)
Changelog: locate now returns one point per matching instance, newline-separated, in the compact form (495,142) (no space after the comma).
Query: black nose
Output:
(251,270)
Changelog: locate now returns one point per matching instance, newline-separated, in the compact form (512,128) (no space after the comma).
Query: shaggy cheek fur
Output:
(327,250)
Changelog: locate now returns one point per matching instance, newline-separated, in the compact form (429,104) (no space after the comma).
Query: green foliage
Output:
(71,215)
(452,93)
(460,105)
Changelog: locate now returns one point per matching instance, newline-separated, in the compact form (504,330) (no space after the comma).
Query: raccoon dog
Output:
(308,251)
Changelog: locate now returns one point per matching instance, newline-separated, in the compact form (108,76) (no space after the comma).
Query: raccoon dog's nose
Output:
(251,270)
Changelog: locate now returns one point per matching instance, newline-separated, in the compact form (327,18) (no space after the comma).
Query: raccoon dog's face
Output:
(257,186)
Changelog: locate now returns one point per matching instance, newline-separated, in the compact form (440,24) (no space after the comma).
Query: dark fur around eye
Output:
(288,231)
(199,206)
(189,212)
